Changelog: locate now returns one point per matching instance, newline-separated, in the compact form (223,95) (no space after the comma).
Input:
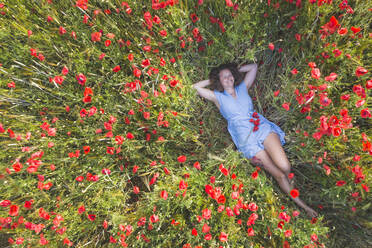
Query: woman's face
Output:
(226,78)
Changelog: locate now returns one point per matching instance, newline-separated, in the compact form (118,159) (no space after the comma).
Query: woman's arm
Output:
(251,70)
(206,93)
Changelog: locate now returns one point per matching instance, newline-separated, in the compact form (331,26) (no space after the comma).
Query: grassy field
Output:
(105,143)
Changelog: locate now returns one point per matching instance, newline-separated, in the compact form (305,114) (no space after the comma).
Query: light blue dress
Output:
(238,112)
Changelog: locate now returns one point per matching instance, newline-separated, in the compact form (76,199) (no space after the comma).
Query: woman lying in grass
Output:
(257,138)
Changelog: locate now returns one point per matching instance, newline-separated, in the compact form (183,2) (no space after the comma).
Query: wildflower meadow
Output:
(105,143)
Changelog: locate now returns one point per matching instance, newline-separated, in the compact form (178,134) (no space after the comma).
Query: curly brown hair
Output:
(214,75)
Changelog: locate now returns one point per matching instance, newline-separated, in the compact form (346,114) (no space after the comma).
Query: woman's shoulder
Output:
(217,92)
(242,86)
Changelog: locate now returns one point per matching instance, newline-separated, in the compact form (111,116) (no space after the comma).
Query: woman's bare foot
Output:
(311,212)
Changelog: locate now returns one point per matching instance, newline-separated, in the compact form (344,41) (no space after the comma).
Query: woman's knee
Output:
(286,167)
(280,176)
(263,158)
(256,161)
(259,158)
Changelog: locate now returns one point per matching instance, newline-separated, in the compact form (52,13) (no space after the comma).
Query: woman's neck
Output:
(231,91)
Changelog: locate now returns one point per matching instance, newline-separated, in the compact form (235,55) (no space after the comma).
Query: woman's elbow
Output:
(195,86)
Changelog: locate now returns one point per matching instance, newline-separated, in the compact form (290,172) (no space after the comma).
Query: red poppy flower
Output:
(337,52)
(110,150)
(360,103)
(342,31)
(220,24)
(252,206)
(87,99)
(11,85)
(360,71)
(314,237)
(181,159)
(359,90)
(194,17)
(13,210)
(62,30)
(331,77)
(206,213)
(173,83)
(229,212)
(81,209)
(229,3)
(137,72)
(166,171)
(288,233)
(340,183)
(79,178)
(223,170)
(136,190)
(250,231)
(107,43)
(355,29)
(254,175)
(208,236)
(327,169)
(220,208)
(330,27)
(42,240)
(364,113)
(197,165)
(223,236)
(286,106)
(145,63)
(41,57)
(324,100)
(82,4)
(154,218)
(312,64)
(164,194)
(336,131)
(221,199)
(294,71)
(345,97)
(130,57)
(96,36)
(315,73)
(194,232)
(81,78)
(86,149)
(64,70)
(106,171)
(365,187)
(91,217)
(28,204)
(294,193)
(298,37)
(369,84)
(116,68)
(88,91)
(271,46)
(252,218)
(130,135)
(182,185)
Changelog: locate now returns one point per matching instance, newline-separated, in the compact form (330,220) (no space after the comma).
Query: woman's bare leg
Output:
(264,159)
(276,152)
(274,148)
